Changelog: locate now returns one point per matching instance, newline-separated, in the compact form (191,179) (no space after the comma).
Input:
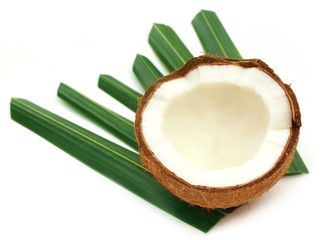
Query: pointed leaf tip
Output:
(168,46)
(213,35)
(145,71)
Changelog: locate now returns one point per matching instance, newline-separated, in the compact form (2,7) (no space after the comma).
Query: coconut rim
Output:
(205,60)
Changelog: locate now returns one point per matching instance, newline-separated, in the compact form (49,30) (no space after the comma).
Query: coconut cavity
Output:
(216,125)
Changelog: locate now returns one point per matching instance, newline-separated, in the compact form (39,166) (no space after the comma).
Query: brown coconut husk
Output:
(219,197)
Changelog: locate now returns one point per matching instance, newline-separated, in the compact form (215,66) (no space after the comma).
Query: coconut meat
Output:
(219,126)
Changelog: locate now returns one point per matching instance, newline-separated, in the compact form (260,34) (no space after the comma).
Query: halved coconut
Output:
(218,132)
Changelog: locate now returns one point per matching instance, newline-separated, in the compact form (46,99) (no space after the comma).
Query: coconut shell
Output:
(219,197)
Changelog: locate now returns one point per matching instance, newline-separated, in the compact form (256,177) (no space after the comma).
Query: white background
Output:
(46,194)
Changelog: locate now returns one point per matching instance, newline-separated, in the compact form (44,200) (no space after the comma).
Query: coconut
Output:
(218,132)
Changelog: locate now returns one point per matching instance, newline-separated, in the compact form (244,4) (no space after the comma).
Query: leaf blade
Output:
(145,71)
(116,124)
(110,160)
(43,122)
(298,166)
(118,90)
(168,47)
(213,35)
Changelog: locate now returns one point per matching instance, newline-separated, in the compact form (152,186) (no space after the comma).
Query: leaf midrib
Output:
(148,67)
(214,34)
(122,88)
(99,106)
(168,42)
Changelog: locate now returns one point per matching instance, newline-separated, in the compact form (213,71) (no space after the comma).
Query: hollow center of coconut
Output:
(219,125)
(216,125)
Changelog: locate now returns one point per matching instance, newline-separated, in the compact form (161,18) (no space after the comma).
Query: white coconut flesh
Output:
(219,126)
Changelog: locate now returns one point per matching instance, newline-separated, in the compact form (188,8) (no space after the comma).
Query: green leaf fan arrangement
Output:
(113,161)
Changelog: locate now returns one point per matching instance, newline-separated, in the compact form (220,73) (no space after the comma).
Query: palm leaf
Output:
(145,71)
(297,166)
(115,162)
(168,47)
(213,35)
(124,94)
(116,124)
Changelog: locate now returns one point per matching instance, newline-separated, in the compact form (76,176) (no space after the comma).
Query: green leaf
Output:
(118,90)
(297,166)
(71,138)
(145,71)
(116,124)
(213,35)
(168,47)
(111,160)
